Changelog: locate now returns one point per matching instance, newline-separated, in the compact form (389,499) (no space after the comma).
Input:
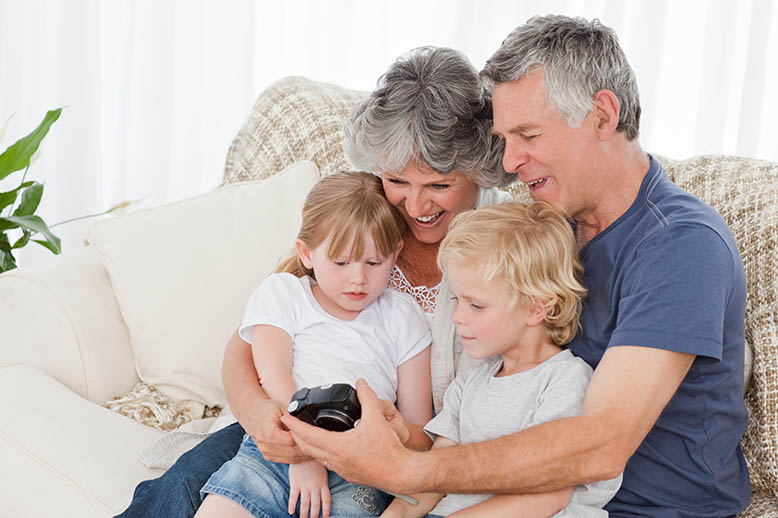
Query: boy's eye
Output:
(476,306)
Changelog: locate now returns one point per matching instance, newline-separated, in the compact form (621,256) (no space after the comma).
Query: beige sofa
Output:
(156,293)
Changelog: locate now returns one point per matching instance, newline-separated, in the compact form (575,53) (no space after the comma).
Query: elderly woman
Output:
(426,131)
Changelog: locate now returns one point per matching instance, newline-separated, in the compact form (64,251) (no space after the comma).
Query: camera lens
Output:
(334,420)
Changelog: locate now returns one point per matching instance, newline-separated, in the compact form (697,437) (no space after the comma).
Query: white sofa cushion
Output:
(183,272)
(63,455)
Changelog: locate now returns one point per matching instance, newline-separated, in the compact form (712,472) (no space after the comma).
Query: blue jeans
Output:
(176,494)
(262,488)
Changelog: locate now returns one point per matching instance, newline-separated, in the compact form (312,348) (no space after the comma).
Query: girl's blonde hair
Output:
(530,248)
(347,206)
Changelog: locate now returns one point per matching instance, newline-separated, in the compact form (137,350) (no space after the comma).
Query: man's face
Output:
(555,161)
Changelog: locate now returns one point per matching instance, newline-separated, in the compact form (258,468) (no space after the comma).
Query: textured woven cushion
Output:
(293,119)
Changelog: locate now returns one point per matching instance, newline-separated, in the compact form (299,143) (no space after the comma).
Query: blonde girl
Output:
(326,316)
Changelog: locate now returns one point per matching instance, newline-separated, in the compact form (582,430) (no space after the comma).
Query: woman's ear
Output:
(537,312)
(606,113)
(304,252)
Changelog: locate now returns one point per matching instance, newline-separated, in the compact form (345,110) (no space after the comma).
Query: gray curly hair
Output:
(579,58)
(430,107)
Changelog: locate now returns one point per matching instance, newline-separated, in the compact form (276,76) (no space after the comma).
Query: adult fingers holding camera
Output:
(353,454)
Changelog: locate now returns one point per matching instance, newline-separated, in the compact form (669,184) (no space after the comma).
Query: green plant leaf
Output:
(5,245)
(36,224)
(22,241)
(48,245)
(7,261)
(18,155)
(31,198)
(7,198)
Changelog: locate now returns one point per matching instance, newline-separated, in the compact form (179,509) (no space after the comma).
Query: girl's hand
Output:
(271,436)
(308,481)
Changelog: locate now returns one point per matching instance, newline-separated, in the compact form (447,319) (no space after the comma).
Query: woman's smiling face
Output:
(429,200)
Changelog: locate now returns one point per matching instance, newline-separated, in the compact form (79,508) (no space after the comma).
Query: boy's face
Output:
(486,322)
(345,286)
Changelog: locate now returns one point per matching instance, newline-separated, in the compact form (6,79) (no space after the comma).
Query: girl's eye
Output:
(341,263)
(373,263)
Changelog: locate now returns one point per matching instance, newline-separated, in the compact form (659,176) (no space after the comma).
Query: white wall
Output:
(156,89)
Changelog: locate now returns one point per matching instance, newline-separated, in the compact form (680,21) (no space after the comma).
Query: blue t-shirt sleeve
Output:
(675,292)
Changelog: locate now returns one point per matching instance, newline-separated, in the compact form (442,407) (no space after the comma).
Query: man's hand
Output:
(272,437)
(395,420)
(308,482)
(370,454)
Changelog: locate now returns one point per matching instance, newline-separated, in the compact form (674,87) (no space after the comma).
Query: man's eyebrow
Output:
(521,128)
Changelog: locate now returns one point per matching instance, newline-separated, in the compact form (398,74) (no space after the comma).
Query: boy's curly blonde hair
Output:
(530,249)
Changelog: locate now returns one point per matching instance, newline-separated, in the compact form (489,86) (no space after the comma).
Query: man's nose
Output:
(514,156)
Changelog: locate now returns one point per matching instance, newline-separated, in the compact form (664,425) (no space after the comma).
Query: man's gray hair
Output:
(430,107)
(578,57)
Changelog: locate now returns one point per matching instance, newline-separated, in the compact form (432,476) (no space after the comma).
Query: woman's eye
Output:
(396,181)
(440,186)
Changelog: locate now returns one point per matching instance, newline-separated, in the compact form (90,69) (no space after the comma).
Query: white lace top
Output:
(425,297)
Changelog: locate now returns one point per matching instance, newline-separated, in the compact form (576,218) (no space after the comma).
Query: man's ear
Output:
(606,113)
(304,252)
(537,312)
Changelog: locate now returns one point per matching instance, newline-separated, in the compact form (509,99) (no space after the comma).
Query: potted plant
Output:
(20,218)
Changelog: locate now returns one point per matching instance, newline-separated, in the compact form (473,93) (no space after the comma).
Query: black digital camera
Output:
(333,407)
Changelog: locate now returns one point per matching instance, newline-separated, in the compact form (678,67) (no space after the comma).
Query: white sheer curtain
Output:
(156,89)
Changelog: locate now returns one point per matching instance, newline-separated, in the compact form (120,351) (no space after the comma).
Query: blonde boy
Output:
(514,275)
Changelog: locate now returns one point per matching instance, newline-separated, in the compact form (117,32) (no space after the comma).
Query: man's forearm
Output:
(545,458)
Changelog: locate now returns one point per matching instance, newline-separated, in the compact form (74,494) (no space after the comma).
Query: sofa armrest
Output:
(61,315)
(63,455)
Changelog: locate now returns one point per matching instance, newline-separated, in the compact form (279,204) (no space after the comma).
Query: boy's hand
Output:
(308,481)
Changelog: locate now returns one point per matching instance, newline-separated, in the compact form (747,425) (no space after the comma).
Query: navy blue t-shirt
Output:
(667,274)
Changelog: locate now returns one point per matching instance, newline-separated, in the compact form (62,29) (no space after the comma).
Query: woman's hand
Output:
(308,482)
(271,436)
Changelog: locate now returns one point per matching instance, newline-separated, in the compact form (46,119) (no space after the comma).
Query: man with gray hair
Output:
(663,322)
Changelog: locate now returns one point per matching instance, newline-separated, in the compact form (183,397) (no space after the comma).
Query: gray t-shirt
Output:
(478,406)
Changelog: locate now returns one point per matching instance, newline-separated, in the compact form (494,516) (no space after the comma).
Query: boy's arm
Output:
(427,501)
(540,505)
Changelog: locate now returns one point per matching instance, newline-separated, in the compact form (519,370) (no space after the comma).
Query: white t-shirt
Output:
(388,332)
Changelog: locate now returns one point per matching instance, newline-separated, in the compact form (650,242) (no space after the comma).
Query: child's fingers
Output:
(305,503)
(315,504)
(294,492)
(326,502)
